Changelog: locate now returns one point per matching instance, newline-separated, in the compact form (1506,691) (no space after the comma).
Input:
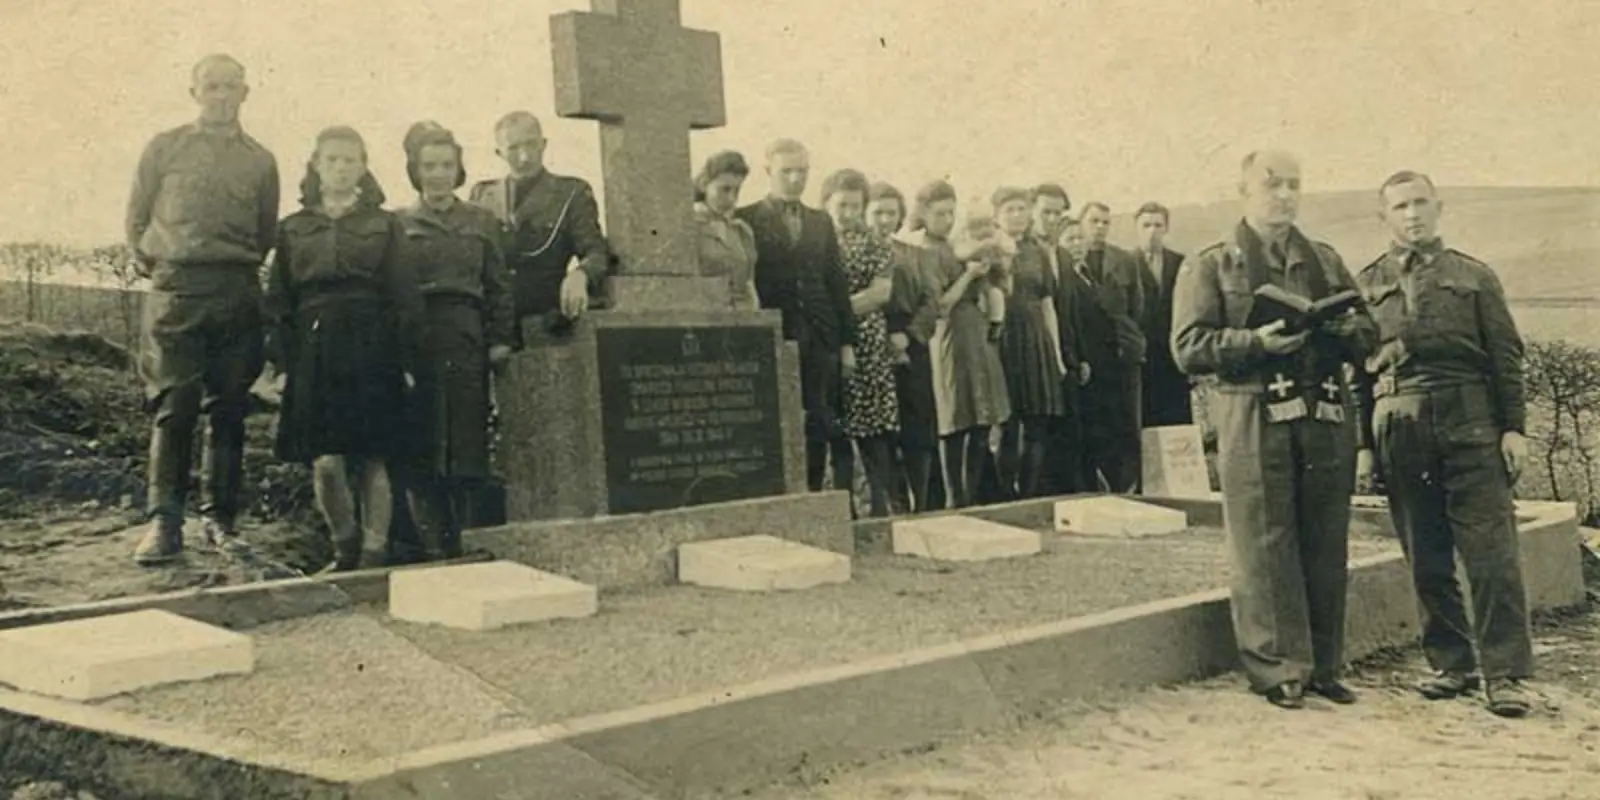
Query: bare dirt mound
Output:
(71,423)
(74,434)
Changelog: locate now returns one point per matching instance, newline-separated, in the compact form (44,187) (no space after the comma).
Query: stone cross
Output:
(648,81)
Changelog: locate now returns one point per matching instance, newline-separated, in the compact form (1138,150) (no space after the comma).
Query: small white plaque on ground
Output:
(480,597)
(89,659)
(759,564)
(959,538)
(1174,462)
(1117,516)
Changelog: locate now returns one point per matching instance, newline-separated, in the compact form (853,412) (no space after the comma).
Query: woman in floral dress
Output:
(871,407)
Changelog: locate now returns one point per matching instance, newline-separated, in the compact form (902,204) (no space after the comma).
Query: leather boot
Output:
(162,542)
(222,473)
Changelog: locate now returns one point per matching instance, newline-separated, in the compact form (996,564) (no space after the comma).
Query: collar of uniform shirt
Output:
(232,130)
(1412,253)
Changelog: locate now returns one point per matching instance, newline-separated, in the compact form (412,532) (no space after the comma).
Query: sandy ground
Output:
(1214,741)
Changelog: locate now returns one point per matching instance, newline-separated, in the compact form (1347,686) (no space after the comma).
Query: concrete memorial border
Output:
(737,737)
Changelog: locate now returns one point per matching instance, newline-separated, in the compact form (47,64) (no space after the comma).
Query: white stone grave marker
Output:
(480,597)
(759,564)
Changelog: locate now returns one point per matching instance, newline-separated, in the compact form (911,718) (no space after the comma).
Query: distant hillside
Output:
(1543,242)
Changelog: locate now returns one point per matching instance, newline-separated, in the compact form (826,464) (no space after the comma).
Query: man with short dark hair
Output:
(1112,397)
(798,272)
(1446,420)
(1286,447)
(550,233)
(202,216)
(1166,389)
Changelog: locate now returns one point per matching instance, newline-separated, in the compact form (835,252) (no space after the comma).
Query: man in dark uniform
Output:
(1446,421)
(1166,389)
(201,218)
(1286,446)
(550,229)
(1111,398)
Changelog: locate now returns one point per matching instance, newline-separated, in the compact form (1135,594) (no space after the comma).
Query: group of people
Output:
(922,340)
(1015,354)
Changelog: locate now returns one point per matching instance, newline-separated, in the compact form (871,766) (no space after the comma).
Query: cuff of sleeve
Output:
(595,267)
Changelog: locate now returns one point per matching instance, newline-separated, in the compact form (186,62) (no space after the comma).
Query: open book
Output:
(1299,312)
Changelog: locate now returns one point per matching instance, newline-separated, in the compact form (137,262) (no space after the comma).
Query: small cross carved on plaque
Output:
(1331,386)
(630,65)
(1281,385)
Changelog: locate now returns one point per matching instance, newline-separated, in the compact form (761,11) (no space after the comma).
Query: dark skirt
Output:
(1028,357)
(919,416)
(344,389)
(447,430)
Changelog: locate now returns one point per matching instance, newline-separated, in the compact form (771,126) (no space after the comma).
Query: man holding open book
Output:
(1272,315)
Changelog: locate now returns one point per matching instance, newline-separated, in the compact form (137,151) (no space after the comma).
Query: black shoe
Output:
(1448,685)
(1289,694)
(1332,691)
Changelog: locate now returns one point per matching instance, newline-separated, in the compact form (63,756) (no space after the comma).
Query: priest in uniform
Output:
(550,230)
(1286,446)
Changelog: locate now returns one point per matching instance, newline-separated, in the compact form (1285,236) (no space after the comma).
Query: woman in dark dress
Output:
(466,330)
(871,408)
(1030,348)
(343,308)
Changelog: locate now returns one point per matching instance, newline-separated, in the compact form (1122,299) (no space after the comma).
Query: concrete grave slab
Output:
(759,563)
(481,597)
(962,538)
(1117,516)
(94,658)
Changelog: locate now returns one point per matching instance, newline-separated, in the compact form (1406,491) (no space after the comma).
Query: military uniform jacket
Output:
(542,229)
(457,252)
(1443,321)
(1212,300)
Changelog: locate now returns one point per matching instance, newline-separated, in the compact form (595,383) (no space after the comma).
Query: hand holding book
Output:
(1298,313)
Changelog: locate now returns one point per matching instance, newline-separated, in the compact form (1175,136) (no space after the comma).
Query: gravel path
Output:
(360,685)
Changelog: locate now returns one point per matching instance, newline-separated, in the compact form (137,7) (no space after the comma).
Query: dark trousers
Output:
(1448,490)
(1065,460)
(200,354)
(1111,427)
(822,394)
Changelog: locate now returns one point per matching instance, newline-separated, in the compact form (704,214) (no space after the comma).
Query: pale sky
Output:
(1119,100)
